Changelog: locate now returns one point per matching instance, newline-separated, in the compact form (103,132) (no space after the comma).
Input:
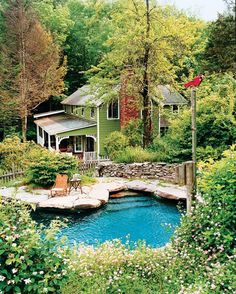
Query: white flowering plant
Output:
(31,260)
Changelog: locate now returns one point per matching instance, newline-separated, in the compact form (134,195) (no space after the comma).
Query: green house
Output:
(83,124)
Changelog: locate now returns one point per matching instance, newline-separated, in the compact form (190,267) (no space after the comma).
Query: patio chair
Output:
(75,183)
(60,187)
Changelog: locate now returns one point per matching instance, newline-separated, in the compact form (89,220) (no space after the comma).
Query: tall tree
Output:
(153,41)
(30,61)
(220,51)
(86,41)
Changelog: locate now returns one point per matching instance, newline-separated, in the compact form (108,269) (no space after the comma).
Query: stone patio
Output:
(94,196)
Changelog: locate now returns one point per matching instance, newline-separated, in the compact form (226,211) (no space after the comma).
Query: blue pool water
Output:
(138,217)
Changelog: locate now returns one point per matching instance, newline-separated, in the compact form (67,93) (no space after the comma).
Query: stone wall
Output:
(148,170)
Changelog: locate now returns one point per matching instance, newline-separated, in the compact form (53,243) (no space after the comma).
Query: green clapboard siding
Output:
(106,126)
(80,132)
(77,110)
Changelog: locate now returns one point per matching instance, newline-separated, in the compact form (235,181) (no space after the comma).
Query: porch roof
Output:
(57,124)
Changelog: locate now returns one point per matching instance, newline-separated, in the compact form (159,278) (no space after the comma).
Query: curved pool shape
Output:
(136,218)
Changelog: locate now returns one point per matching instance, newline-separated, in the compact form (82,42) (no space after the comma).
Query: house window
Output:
(92,112)
(78,144)
(82,111)
(40,132)
(175,108)
(113,110)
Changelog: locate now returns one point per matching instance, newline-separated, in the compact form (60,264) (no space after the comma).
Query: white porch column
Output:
(57,143)
(98,135)
(37,134)
(49,142)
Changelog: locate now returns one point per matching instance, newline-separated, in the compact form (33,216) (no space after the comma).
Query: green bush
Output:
(31,260)
(116,142)
(134,154)
(17,155)
(43,170)
(134,132)
(211,227)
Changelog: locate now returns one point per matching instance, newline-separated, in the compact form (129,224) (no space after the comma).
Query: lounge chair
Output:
(60,187)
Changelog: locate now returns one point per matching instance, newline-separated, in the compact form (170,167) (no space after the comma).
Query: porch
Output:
(83,147)
(67,134)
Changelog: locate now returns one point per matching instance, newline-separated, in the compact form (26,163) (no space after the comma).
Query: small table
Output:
(75,184)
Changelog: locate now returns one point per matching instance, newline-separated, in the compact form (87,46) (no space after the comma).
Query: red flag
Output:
(195,82)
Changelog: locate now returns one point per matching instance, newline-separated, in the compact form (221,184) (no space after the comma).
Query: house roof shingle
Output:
(171,97)
(84,97)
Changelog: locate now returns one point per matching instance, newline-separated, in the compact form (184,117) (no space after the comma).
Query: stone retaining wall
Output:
(148,170)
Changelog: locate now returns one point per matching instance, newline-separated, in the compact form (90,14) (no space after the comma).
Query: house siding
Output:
(77,110)
(106,126)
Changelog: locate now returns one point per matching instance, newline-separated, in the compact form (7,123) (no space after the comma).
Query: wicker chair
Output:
(60,188)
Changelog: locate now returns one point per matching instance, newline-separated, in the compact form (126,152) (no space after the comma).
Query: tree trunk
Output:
(24,128)
(147,138)
(23,77)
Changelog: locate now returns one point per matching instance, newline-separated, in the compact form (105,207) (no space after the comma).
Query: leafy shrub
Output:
(43,170)
(134,132)
(115,143)
(30,259)
(211,227)
(134,154)
(17,155)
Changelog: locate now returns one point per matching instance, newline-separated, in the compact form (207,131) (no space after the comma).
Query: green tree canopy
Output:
(153,41)
(216,122)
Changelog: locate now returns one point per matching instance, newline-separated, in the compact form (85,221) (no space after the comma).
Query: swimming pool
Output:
(137,218)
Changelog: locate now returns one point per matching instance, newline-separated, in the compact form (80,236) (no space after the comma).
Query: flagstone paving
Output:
(93,196)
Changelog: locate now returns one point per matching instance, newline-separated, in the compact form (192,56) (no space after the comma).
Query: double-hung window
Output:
(113,110)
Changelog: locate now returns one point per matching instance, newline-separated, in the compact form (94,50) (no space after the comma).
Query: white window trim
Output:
(77,150)
(109,118)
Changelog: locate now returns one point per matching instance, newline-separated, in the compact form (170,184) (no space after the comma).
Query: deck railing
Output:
(90,156)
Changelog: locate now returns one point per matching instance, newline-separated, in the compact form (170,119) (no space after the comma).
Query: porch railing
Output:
(90,156)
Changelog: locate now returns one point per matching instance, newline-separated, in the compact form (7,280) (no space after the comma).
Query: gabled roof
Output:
(82,97)
(171,97)
(57,124)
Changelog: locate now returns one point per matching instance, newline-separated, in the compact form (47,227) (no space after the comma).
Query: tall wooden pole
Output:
(194,140)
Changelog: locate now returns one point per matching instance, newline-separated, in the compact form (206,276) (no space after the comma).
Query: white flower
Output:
(34,273)
(14,270)
(27,281)
(41,272)
(14,245)
(2,278)
(213,286)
